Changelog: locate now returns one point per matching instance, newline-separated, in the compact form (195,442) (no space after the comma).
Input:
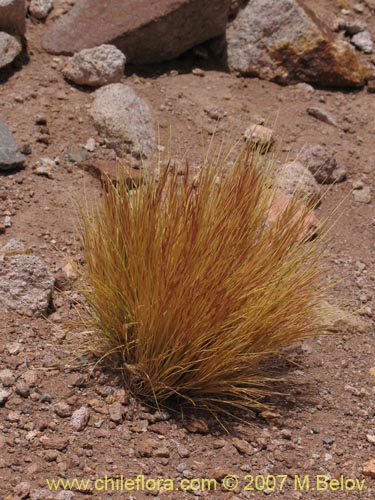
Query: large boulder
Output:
(124,119)
(283,41)
(10,156)
(12,16)
(147,32)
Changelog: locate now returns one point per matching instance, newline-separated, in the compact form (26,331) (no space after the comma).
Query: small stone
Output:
(4,395)
(368,468)
(116,412)
(322,164)
(46,167)
(363,41)
(63,410)
(66,495)
(90,145)
(77,154)
(54,442)
(10,156)
(328,441)
(10,48)
(161,452)
(362,195)
(96,67)
(286,434)
(30,377)
(40,8)
(22,489)
(80,418)
(259,136)
(7,377)
(144,448)
(197,426)
(22,389)
(198,72)
(46,398)
(370,438)
(241,446)
(322,115)
(14,416)
(351,27)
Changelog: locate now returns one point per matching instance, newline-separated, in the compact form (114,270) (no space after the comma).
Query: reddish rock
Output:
(147,32)
(12,16)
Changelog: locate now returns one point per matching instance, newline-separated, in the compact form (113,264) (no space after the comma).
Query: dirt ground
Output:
(320,427)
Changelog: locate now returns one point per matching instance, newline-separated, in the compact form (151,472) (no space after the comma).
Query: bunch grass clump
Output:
(191,286)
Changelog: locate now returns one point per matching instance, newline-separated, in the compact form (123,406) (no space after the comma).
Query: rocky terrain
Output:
(78,91)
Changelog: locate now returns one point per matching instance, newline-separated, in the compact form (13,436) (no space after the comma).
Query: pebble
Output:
(4,395)
(328,441)
(63,410)
(322,115)
(369,468)
(363,41)
(370,438)
(362,195)
(80,418)
(90,145)
(259,136)
(40,8)
(7,377)
(116,411)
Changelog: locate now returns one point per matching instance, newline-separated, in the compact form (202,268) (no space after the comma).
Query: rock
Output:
(90,145)
(146,32)
(278,206)
(368,468)
(45,167)
(30,377)
(362,195)
(96,67)
(116,412)
(283,41)
(12,16)
(25,282)
(197,426)
(22,389)
(42,494)
(336,320)
(40,8)
(322,164)
(363,42)
(22,489)
(77,154)
(80,418)
(322,115)
(370,438)
(124,119)
(4,395)
(65,495)
(351,27)
(63,410)
(7,377)
(293,178)
(241,446)
(259,136)
(10,156)
(10,48)
(144,447)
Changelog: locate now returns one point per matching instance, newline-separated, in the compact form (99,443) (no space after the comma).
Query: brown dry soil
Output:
(320,425)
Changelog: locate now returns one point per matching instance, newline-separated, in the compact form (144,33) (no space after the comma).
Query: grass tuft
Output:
(191,286)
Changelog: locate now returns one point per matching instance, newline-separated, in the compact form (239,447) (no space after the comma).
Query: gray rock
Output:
(116,412)
(363,42)
(4,395)
(147,32)
(25,282)
(351,27)
(10,156)
(65,495)
(40,8)
(10,48)
(322,164)
(283,41)
(96,67)
(80,418)
(12,16)
(322,115)
(7,377)
(293,178)
(124,119)
(76,153)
